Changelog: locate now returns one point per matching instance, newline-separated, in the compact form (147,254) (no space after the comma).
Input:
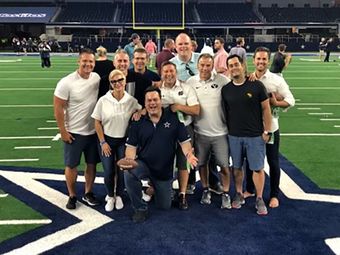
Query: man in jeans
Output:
(249,123)
(154,140)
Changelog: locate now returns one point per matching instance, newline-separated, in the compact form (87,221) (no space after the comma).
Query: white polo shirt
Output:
(180,93)
(211,121)
(115,115)
(81,96)
(277,84)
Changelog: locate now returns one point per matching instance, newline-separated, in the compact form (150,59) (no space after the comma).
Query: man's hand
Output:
(106,149)
(66,137)
(175,107)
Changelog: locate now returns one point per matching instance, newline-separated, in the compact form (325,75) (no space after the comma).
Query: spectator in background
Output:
(103,67)
(328,49)
(207,47)
(194,45)
(151,49)
(220,59)
(112,115)
(45,50)
(240,51)
(74,100)
(322,47)
(166,54)
(130,47)
(281,60)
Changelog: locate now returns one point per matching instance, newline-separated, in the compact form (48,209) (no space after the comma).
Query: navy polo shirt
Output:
(156,144)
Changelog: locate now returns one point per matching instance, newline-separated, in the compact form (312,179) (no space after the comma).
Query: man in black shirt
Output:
(281,60)
(248,117)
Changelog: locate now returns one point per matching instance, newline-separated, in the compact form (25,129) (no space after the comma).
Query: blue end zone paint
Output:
(296,227)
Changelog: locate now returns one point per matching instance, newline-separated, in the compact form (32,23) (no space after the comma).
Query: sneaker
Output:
(217,188)
(190,189)
(238,201)
(206,197)
(119,203)
(260,206)
(139,216)
(146,197)
(183,203)
(226,202)
(90,199)
(71,203)
(110,202)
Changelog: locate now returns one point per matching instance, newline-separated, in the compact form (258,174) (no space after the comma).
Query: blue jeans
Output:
(133,186)
(109,164)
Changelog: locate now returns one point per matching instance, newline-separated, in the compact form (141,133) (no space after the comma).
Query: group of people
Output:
(205,111)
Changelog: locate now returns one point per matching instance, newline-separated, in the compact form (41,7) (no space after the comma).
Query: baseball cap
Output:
(134,36)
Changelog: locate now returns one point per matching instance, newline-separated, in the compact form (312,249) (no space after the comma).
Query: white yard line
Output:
(337,126)
(25,137)
(330,119)
(3,195)
(315,88)
(25,105)
(19,160)
(320,113)
(56,137)
(309,108)
(310,134)
(31,147)
(25,89)
(312,78)
(24,222)
(48,128)
(31,78)
(317,104)
(51,121)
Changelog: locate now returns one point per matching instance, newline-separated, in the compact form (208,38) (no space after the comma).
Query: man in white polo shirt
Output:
(182,99)
(210,126)
(74,100)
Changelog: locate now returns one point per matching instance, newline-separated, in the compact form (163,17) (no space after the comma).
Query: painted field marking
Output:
(337,126)
(330,119)
(3,195)
(320,113)
(24,137)
(51,121)
(19,160)
(48,128)
(26,89)
(25,105)
(90,219)
(24,222)
(317,104)
(316,88)
(309,134)
(309,108)
(56,137)
(30,78)
(34,71)
(10,60)
(310,78)
(334,244)
(31,147)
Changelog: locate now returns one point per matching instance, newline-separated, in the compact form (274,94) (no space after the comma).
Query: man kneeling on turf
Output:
(153,140)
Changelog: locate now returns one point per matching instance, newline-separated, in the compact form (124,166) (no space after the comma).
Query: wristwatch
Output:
(102,143)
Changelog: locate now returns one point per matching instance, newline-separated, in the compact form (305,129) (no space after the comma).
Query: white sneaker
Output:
(119,203)
(110,202)
(146,197)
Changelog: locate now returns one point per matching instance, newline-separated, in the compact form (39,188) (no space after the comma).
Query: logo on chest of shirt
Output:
(214,86)
(249,95)
(167,125)
(180,93)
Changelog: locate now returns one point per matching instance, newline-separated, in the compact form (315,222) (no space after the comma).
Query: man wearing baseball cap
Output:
(130,47)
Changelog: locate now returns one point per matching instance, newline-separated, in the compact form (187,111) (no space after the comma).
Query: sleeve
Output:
(132,139)
(98,110)
(284,91)
(262,92)
(192,96)
(62,90)
(182,134)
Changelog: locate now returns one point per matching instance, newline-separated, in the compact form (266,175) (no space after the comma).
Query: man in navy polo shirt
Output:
(153,139)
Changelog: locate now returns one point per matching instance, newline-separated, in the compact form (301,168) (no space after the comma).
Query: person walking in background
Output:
(220,59)
(103,67)
(130,47)
(281,60)
(112,114)
(45,50)
(240,51)
(74,100)
(166,54)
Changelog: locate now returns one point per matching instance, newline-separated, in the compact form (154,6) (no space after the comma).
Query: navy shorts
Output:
(80,144)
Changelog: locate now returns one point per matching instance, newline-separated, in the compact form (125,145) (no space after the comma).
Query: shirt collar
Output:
(212,77)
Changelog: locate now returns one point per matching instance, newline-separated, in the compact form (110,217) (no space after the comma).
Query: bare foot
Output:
(274,202)
(247,194)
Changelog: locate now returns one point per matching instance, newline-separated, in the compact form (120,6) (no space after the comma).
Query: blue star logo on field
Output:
(305,223)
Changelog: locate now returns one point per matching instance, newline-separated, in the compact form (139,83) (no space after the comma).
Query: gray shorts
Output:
(218,145)
(181,161)
(80,144)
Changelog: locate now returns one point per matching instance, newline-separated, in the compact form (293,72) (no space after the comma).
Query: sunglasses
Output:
(113,82)
(191,73)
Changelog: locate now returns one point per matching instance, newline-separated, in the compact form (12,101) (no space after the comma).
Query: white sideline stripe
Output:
(334,244)
(25,105)
(326,104)
(3,195)
(90,219)
(51,121)
(320,113)
(330,119)
(25,89)
(31,147)
(56,137)
(24,137)
(24,222)
(48,128)
(19,160)
(310,88)
(309,134)
(309,108)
